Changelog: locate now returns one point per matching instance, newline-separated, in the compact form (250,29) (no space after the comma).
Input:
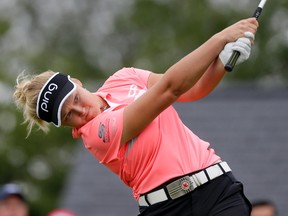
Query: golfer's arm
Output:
(207,83)
(176,81)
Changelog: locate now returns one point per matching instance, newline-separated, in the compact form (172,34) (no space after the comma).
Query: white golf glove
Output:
(242,45)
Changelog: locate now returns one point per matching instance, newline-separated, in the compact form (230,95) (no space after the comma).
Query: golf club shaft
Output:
(234,57)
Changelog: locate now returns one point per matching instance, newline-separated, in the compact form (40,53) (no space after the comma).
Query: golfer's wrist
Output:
(220,39)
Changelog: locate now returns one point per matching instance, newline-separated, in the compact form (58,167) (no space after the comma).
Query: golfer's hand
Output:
(242,45)
(238,30)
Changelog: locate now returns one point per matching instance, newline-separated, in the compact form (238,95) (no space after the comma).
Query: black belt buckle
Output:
(180,187)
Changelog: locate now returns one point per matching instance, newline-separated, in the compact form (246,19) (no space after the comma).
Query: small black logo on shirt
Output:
(103,131)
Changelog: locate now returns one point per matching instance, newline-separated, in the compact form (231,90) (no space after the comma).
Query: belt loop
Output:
(167,193)
(219,164)
(146,199)
(206,173)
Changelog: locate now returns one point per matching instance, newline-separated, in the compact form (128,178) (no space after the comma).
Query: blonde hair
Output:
(25,96)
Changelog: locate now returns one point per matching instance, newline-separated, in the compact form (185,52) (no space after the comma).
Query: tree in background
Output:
(92,39)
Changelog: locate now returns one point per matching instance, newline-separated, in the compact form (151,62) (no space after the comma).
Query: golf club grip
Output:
(234,57)
(232,61)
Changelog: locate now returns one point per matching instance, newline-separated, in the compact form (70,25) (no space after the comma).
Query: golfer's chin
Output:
(87,120)
(83,121)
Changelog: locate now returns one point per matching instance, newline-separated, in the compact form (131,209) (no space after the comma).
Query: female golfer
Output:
(130,126)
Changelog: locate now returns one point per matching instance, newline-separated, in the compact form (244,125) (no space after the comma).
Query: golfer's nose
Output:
(79,110)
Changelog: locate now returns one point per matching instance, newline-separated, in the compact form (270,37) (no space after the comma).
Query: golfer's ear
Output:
(77,81)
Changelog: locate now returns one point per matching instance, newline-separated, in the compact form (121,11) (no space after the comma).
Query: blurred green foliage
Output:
(162,32)
(90,40)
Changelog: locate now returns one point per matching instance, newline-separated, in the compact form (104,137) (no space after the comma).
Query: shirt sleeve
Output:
(143,74)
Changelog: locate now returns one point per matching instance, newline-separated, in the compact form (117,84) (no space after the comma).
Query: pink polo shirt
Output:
(165,149)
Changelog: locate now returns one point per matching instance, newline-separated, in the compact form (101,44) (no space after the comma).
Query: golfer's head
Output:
(42,96)
(52,96)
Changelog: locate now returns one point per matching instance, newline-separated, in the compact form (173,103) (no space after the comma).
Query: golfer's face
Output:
(79,108)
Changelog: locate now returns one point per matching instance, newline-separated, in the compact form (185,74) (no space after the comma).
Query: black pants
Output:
(222,196)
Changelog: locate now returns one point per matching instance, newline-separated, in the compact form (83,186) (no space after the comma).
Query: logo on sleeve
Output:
(135,92)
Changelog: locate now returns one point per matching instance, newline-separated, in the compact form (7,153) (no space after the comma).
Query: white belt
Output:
(184,185)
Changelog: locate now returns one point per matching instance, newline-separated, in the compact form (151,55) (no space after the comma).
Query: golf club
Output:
(234,57)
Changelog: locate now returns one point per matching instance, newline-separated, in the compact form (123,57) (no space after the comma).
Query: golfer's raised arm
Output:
(215,72)
(178,79)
